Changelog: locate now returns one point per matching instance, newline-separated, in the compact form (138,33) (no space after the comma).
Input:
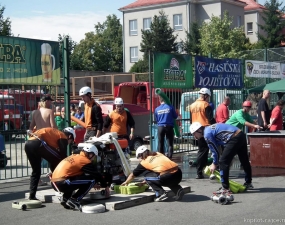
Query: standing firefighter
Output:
(92,113)
(202,112)
(50,144)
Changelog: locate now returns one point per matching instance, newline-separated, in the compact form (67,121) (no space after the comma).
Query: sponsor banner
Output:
(172,71)
(28,61)
(218,73)
(262,69)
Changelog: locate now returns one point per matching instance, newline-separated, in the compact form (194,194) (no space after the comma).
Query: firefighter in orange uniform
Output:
(202,112)
(158,171)
(120,119)
(70,175)
(50,144)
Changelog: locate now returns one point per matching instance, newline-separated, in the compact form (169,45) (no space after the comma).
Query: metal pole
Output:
(150,100)
(66,82)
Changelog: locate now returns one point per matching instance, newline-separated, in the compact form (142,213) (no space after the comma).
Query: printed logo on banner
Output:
(249,67)
(201,66)
(174,73)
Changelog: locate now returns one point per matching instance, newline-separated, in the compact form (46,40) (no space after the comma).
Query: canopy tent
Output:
(257,89)
(277,86)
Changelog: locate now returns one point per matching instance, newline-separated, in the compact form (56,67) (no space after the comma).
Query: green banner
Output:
(172,71)
(29,61)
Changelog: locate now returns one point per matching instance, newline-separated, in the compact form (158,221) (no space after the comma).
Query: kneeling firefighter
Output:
(77,172)
(158,171)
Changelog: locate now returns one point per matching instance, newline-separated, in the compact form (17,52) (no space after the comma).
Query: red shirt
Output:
(222,113)
(278,122)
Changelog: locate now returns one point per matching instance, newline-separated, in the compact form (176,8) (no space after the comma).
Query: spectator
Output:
(222,112)
(79,114)
(72,110)
(165,116)
(276,120)
(44,116)
(59,119)
(263,113)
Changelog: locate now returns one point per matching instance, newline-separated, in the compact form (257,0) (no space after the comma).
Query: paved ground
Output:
(265,204)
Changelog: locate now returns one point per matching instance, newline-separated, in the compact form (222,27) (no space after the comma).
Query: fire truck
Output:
(10,116)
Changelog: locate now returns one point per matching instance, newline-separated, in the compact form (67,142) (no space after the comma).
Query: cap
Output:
(46,98)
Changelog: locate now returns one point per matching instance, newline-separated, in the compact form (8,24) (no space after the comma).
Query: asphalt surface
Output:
(262,205)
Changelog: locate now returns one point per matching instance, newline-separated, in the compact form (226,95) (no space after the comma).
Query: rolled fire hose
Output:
(26,204)
(167,101)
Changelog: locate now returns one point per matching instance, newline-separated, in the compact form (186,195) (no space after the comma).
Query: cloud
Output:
(48,27)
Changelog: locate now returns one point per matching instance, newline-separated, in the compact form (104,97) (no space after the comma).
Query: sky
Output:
(47,19)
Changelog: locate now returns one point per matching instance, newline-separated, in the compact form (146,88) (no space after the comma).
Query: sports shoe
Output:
(200,176)
(248,186)
(179,195)
(33,198)
(212,176)
(73,204)
(63,201)
(161,198)
(222,191)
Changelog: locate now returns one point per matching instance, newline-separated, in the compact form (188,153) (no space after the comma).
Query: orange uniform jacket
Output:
(158,163)
(50,135)
(198,112)
(71,166)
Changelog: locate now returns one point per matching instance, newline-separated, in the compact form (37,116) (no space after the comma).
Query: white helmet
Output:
(195,126)
(118,101)
(85,91)
(90,148)
(205,91)
(70,130)
(140,150)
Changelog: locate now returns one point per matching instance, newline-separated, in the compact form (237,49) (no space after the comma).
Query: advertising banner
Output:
(262,69)
(218,73)
(172,71)
(282,65)
(28,61)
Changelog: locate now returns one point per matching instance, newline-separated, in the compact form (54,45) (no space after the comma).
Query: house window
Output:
(146,23)
(177,22)
(238,21)
(134,54)
(249,28)
(133,27)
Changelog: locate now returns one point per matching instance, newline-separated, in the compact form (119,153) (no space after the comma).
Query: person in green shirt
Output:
(59,120)
(242,118)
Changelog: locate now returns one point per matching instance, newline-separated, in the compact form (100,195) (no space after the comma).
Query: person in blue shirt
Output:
(165,116)
(234,142)
(79,114)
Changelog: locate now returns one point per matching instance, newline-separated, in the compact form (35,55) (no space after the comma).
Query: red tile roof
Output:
(251,5)
(140,3)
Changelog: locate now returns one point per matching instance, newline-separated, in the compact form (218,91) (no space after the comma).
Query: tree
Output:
(101,50)
(220,39)
(71,46)
(192,43)
(160,37)
(5,24)
(273,24)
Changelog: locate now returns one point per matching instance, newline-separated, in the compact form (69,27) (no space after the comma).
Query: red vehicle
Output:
(136,96)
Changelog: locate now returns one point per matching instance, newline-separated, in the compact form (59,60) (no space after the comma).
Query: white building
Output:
(137,16)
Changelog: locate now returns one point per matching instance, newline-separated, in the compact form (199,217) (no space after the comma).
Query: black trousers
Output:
(35,152)
(89,133)
(202,155)
(170,180)
(82,184)
(236,145)
(165,131)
